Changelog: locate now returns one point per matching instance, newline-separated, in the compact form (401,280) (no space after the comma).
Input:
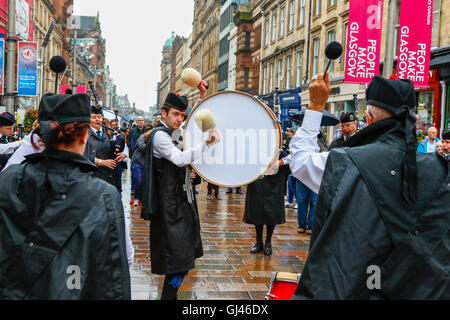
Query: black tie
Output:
(4,140)
(99,134)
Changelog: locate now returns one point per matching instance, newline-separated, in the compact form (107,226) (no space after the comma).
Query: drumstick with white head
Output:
(207,123)
(192,77)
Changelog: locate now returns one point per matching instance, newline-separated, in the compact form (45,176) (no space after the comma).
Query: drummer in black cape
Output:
(264,203)
(168,197)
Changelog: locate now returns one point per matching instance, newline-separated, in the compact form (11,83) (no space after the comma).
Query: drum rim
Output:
(268,110)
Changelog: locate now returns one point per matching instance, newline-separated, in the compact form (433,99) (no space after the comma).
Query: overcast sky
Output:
(135,32)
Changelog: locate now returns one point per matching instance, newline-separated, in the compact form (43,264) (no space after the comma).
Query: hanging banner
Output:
(27,67)
(363,41)
(2,65)
(22,19)
(414,43)
(64,88)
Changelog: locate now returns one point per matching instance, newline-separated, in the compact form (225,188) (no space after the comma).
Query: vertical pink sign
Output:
(363,40)
(81,89)
(414,42)
(64,88)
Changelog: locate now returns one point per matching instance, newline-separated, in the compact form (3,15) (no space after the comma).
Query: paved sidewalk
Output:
(227,270)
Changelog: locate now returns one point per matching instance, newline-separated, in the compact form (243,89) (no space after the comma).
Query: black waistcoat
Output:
(175,240)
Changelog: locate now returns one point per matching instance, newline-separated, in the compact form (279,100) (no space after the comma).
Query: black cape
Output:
(81,224)
(362,220)
(175,240)
(264,201)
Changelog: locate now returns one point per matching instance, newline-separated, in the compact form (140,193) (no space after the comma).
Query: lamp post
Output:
(11,58)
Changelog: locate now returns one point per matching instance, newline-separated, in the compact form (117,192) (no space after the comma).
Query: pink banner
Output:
(363,40)
(64,88)
(81,89)
(414,43)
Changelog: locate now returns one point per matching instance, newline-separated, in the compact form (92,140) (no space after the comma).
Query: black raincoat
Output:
(264,201)
(175,240)
(362,222)
(79,231)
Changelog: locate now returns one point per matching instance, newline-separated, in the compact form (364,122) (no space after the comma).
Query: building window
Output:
(397,26)
(265,80)
(274,27)
(288,72)
(279,68)
(299,69)
(271,78)
(247,41)
(331,38)
(317,4)
(315,69)
(344,45)
(281,23)
(331,3)
(266,32)
(291,15)
(246,78)
(301,18)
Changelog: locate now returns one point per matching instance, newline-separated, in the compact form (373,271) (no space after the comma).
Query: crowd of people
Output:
(372,197)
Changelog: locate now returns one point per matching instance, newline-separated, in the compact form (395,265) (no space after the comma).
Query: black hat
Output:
(348,117)
(446,135)
(399,98)
(7,119)
(64,108)
(97,110)
(175,101)
(391,95)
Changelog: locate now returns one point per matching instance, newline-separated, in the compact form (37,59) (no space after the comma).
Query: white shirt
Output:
(163,147)
(9,147)
(431,146)
(24,150)
(306,163)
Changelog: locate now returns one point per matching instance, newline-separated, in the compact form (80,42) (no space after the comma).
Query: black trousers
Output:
(172,283)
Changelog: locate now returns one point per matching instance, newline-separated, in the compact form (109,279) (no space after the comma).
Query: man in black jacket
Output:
(349,125)
(381,224)
(100,148)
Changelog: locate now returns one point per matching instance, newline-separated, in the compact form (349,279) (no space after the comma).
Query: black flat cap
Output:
(175,101)
(348,117)
(64,108)
(7,119)
(97,110)
(391,95)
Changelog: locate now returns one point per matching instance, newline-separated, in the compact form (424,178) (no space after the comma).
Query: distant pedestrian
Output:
(428,145)
(211,188)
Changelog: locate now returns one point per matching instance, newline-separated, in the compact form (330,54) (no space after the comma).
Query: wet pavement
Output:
(227,270)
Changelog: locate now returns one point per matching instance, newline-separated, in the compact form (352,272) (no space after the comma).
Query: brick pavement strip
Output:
(227,270)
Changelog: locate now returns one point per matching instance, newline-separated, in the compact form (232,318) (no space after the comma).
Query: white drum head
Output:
(250,139)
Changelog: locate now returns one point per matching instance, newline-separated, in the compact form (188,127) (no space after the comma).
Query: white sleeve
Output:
(307,164)
(129,244)
(24,150)
(163,147)
(126,152)
(9,148)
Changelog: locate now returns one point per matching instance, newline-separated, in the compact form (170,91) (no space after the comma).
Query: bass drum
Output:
(250,143)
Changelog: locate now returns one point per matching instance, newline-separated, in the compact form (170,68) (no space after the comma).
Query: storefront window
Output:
(425,109)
